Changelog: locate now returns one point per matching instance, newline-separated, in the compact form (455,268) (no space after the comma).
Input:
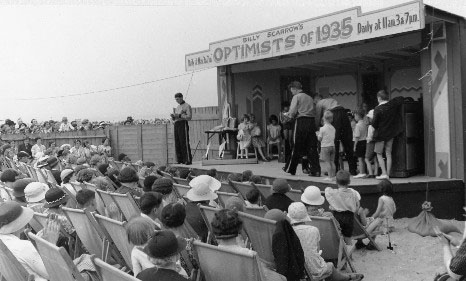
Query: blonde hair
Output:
(139,230)
(328,116)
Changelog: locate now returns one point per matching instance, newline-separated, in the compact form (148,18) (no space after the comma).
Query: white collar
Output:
(383,102)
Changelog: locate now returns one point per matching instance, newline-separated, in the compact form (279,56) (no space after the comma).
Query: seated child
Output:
(252,198)
(386,208)
(246,176)
(274,130)
(256,179)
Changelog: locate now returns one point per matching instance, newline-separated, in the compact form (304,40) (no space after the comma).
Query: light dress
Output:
(244,136)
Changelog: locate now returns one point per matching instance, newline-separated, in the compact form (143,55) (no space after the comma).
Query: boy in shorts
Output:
(359,140)
(326,136)
(370,143)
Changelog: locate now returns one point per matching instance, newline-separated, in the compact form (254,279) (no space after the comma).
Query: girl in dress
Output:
(244,136)
(256,137)
(386,208)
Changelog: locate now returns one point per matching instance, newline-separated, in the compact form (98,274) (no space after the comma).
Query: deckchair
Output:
(241,188)
(223,264)
(113,185)
(181,190)
(226,187)
(294,195)
(41,177)
(208,214)
(58,263)
(331,242)
(77,185)
(88,231)
(32,172)
(360,232)
(166,175)
(10,268)
(181,181)
(224,196)
(116,230)
(8,191)
(258,212)
(264,189)
(126,204)
(109,203)
(260,232)
(50,176)
(118,165)
(107,272)
(90,186)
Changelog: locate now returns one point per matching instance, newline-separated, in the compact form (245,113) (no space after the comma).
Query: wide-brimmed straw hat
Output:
(312,196)
(213,183)
(202,189)
(13,217)
(35,192)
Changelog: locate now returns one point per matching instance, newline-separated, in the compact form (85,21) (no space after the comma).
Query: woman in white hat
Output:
(201,192)
(35,196)
(13,219)
(313,200)
(309,237)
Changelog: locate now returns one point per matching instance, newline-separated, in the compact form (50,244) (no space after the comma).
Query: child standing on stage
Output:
(244,136)
(359,140)
(326,136)
(370,143)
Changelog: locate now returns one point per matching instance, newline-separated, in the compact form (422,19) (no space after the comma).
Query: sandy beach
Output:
(414,258)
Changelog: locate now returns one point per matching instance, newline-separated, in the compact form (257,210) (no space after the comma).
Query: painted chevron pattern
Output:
(406,89)
(342,94)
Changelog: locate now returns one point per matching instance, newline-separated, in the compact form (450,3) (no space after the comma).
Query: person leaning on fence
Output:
(181,116)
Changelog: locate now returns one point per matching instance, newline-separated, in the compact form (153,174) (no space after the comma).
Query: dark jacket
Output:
(25,148)
(195,219)
(278,201)
(162,274)
(387,120)
(287,252)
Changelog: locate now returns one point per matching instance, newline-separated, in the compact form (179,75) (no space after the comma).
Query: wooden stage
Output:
(447,195)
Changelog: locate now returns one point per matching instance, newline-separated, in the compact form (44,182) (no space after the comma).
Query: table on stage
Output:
(229,136)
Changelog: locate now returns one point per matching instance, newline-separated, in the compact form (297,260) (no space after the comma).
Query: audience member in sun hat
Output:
(13,217)
(297,213)
(163,250)
(313,200)
(278,199)
(81,161)
(213,183)
(35,196)
(18,190)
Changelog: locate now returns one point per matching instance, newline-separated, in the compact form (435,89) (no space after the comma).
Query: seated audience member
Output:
(148,182)
(252,198)
(113,175)
(212,172)
(309,237)
(52,165)
(226,226)
(246,176)
(164,250)
(23,157)
(165,187)
(35,196)
(94,161)
(151,207)
(103,168)
(344,203)
(65,177)
(274,130)
(85,175)
(18,190)
(123,158)
(14,219)
(105,149)
(82,161)
(172,171)
(37,148)
(54,199)
(129,180)
(101,183)
(313,200)
(256,179)
(173,219)
(278,199)
(147,169)
(234,203)
(86,200)
(182,173)
(139,230)
(8,177)
(201,192)
(235,177)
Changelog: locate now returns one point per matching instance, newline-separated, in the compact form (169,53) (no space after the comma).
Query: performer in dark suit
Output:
(182,115)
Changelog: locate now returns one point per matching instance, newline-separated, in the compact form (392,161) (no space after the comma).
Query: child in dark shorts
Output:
(370,148)
(359,140)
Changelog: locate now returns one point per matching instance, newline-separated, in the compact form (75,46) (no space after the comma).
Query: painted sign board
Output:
(329,30)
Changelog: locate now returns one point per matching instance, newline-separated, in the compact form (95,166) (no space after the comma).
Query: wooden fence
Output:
(146,142)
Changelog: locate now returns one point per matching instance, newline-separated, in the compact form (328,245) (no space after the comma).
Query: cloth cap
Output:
(13,217)
(9,175)
(297,212)
(65,173)
(55,197)
(173,215)
(312,196)
(164,244)
(35,192)
(280,186)
(128,174)
(19,186)
(202,189)
(163,185)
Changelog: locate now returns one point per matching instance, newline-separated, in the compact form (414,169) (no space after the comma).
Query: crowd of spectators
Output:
(49,126)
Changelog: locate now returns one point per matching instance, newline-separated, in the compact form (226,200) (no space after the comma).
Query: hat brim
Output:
(20,222)
(58,203)
(181,246)
(196,198)
(35,199)
(318,202)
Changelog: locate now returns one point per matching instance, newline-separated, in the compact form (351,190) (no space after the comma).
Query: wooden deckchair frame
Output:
(107,272)
(125,202)
(255,211)
(181,181)
(360,232)
(10,268)
(224,196)
(180,190)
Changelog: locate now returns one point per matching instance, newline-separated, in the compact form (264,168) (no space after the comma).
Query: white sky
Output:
(61,50)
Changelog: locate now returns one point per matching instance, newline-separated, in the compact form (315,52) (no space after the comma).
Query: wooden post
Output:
(139,141)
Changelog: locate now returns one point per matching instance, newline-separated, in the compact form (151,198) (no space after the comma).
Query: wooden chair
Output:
(224,196)
(58,263)
(107,272)
(264,189)
(10,268)
(294,195)
(258,212)
(331,242)
(260,232)
(116,231)
(270,146)
(228,265)
(181,190)
(181,181)
(126,204)
(238,152)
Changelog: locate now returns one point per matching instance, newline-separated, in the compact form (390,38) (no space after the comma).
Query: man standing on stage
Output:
(182,115)
(343,130)
(304,137)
